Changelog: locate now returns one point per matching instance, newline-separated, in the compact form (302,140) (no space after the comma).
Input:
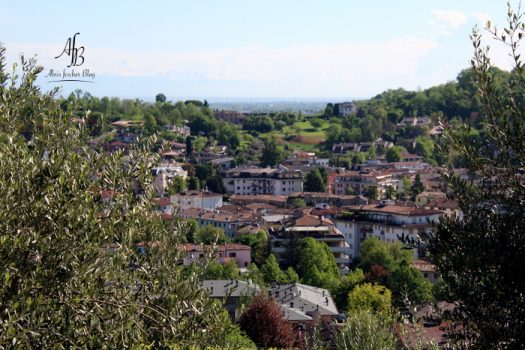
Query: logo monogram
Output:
(74,52)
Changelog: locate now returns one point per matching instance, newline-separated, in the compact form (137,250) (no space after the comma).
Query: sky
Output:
(242,49)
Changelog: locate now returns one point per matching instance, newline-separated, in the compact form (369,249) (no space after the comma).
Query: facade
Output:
(228,222)
(303,225)
(387,223)
(197,199)
(427,270)
(344,109)
(230,293)
(241,254)
(304,305)
(233,117)
(263,181)
(355,182)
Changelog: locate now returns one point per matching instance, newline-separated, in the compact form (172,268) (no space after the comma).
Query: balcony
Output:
(345,250)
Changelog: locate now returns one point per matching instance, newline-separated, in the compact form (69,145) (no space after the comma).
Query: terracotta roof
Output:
(423,266)
(190,247)
(395,209)
(162,201)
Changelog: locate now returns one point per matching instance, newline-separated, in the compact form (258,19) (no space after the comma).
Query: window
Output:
(232,255)
(426,275)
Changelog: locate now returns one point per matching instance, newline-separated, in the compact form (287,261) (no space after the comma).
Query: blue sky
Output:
(243,49)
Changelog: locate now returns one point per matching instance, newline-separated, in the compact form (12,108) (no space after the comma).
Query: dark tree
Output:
(480,257)
(314,182)
(160,98)
(264,323)
(417,187)
(271,154)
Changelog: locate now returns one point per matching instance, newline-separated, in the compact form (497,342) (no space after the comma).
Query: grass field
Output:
(301,135)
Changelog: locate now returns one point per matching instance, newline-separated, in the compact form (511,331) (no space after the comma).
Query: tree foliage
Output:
(479,256)
(263,321)
(72,222)
(375,298)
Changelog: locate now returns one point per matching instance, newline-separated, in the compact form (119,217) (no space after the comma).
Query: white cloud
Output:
(452,18)
(481,17)
(306,68)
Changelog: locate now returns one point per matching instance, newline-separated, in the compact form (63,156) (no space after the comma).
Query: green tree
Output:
(84,265)
(371,192)
(480,255)
(390,192)
(271,154)
(416,188)
(364,329)
(160,98)
(272,272)
(369,297)
(150,124)
(298,203)
(409,286)
(317,265)
(314,182)
(388,255)
(193,183)
(211,234)
(316,123)
(348,282)
(259,244)
(393,154)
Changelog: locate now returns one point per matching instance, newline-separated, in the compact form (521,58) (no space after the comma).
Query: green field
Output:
(302,135)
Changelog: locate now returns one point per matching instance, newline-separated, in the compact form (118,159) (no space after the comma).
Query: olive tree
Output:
(83,261)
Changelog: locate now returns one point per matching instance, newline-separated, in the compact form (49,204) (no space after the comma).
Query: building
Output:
(304,305)
(263,181)
(424,197)
(387,222)
(230,116)
(228,222)
(356,182)
(317,198)
(344,109)
(302,224)
(241,254)
(427,270)
(197,199)
(278,201)
(230,293)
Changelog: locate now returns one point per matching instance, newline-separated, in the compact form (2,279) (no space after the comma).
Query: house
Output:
(304,304)
(197,199)
(163,205)
(241,254)
(263,181)
(427,196)
(233,117)
(387,222)
(316,198)
(302,224)
(277,200)
(231,293)
(427,270)
(344,109)
(356,182)
(223,163)
(228,222)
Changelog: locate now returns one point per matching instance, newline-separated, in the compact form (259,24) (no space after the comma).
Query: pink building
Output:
(242,254)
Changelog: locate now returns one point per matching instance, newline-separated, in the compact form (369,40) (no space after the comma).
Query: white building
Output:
(263,181)
(386,223)
(197,199)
